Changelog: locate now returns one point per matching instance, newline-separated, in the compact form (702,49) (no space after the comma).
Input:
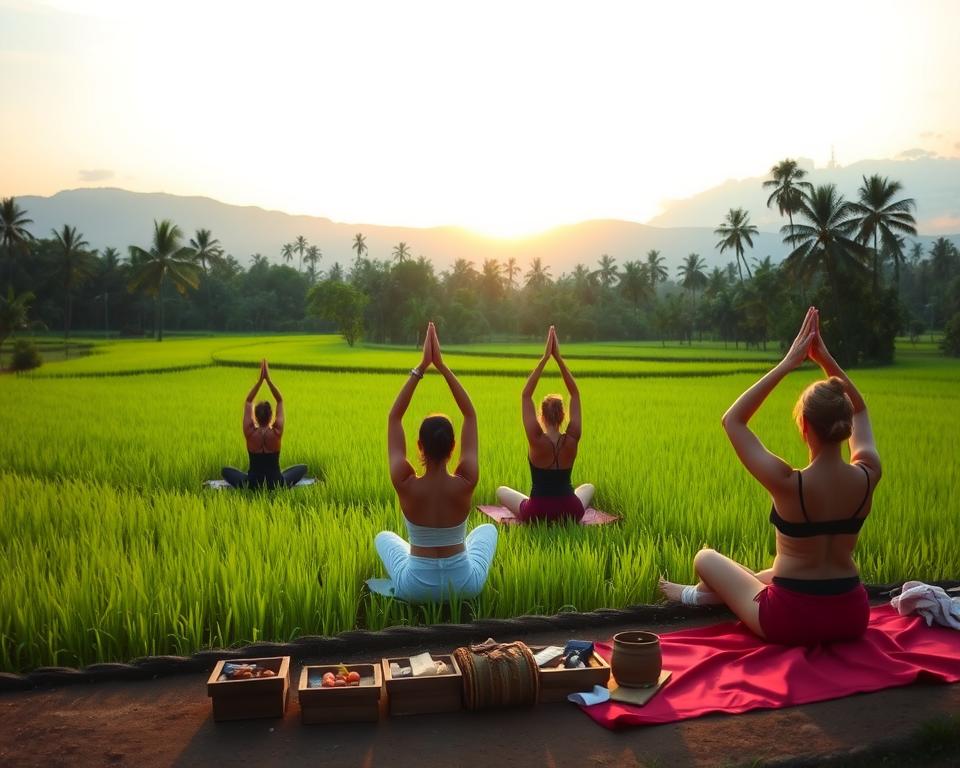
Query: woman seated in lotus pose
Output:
(440,561)
(263,442)
(813,592)
(550,452)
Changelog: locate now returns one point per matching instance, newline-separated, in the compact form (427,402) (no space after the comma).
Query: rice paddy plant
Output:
(112,550)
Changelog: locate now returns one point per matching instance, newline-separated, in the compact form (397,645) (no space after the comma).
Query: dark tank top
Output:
(551,481)
(264,470)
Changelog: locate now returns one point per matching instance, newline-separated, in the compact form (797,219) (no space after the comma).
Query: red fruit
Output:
(340,683)
(353,677)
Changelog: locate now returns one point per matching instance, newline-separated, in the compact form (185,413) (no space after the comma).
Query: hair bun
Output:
(841,430)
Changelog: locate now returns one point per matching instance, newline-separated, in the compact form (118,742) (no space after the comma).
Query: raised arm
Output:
(400,468)
(575,425)
(249,425)
(278,419)
(863,449)
(528,411)
(772,471)
(469,466)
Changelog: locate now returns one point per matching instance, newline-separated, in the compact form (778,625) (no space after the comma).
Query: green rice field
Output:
(111,549)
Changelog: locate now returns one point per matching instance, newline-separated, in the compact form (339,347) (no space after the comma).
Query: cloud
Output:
(916,154)
(96,174)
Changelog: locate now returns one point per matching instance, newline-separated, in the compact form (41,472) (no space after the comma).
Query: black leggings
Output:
(291,476)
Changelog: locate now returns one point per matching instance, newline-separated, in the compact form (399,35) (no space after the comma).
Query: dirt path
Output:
(168,721)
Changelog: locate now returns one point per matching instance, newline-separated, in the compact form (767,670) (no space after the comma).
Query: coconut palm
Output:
(607,272)
(13,314)
(878,217)
(259,260)
(286,252)
(538,275)
(401,252)
(511,269)
(691,274)
(300,245)
(359,245)
(635,284)
(74,266)
(823,240)
(206,249)
(13,226)
(656,268)
(787,186)
(167,260)
(110,259)
(942,258)
(736,230)
(313,258)
(916,253)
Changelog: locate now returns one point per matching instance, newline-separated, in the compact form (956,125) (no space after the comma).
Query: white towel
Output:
(933,603)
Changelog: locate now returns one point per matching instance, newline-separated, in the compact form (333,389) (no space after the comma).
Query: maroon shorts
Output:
(796,618)
(551,509)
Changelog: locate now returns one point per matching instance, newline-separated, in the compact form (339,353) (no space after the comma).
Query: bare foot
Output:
(674,593)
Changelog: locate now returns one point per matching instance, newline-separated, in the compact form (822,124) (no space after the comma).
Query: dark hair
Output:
(551,410)
(436,439)
(263,411)
(827,410)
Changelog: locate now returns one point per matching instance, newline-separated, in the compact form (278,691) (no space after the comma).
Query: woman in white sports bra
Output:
(441,561)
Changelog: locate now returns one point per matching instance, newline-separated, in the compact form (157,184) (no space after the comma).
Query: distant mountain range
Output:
(116,217)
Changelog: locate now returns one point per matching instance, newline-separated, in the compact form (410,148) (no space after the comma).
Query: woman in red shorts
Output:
(551,453)
(813,592)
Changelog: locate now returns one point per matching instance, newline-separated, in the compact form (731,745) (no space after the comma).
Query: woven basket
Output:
(498,675)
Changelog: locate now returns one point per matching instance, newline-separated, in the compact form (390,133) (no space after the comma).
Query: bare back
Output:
(548,452)
(831,492)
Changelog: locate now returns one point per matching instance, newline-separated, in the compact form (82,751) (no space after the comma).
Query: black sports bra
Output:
(551,481)
(809,528)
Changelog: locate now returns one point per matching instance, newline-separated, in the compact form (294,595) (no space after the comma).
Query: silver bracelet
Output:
(416,372)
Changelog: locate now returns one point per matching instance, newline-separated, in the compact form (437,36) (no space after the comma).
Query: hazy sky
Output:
(504,117)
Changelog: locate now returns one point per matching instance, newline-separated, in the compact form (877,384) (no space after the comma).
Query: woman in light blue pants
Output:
(441,561)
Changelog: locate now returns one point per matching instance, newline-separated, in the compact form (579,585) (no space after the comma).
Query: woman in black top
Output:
(551,453)
(263,442)
(813,592)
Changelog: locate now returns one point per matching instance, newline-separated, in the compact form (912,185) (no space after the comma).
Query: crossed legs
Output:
(512,499)
(723,580)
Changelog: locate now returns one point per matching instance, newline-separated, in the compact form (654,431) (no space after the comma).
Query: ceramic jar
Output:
(636,660)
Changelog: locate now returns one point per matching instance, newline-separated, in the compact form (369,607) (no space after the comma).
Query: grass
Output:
(112,550)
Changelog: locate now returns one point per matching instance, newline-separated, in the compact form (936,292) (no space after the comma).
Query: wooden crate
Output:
(257,697)
(423,695)
(340,705)
(557,683)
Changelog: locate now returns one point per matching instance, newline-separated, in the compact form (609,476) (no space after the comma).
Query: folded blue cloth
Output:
(598,695)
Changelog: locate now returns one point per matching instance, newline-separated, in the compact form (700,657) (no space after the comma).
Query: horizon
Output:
(428,130)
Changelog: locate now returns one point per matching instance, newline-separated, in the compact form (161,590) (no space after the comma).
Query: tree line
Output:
(851,258)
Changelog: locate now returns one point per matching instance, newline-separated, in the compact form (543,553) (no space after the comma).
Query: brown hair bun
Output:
(436,438)
(827,410)
(551,410)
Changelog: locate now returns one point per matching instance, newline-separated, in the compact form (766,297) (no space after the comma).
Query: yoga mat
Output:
(504,516)
(726,668)
(223,485)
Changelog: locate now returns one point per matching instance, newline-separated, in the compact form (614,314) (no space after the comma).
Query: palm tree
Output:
(206,249)
(13,222)
(942,256)
(787,187)
(511,269)
(916,253)
(656,268)
(313,258)
(691,274)
(607,271)
(286,252)
(877,216)
(258,260)
(635,284)
(13,315)
(735,230)
(538,275)
(110,259)
(359,245)
(823,241)
(401,252)
(75,265)
(166,259)
(300,245)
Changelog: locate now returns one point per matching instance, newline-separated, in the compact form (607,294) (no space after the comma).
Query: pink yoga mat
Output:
(504,516)
(726,668)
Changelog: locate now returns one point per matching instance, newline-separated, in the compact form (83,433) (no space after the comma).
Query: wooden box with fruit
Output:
(340,693)
(249,688)
(422,684)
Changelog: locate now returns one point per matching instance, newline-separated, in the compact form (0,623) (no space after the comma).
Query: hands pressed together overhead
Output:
(809,344)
